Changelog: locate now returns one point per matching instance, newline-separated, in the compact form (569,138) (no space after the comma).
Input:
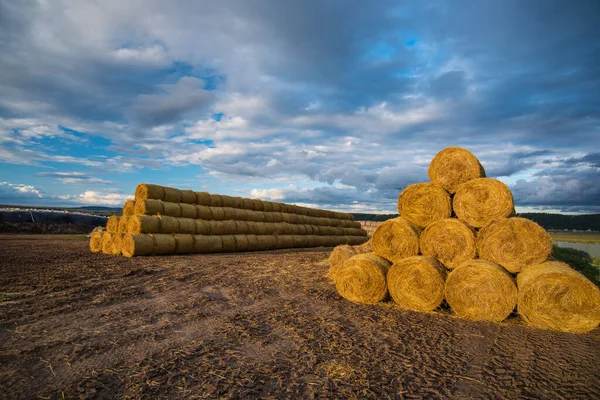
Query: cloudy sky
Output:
(338,104)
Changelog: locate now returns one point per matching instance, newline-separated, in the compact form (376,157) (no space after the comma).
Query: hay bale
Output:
(241,242)
(112,224)
(145,191)
(480,290)
(300,241)
(223,227)
(252,242)
(338,257)
(137,245)
(395,239)
(204,212)
(168,224)
(286,217)
(248,204)
(269,217)
(187,225)
(261,228)
(267,242)
(241,214)
(362,279)
(238,202)
(301,229)
(366,247)
(554,296)
(123,224)
(227,201)
(276,207)
(450,241)
(207,244)
(423,203)
(258,205)
(357,241)
(202,227)
(417,283)
(96,242)
(454,166)
(184,244)
(143,224)
(149,207)
(129,208)
(285,241)
(164,243)
(312,240)
(203,198)
(267,206)
(172,209)
(218,214)
(188,210)
(242,227)
(514,243)
(277,217)
(172,195)
(480,201)
(115,244)
(107,242)
(188,196)
(216,200)
(229,213)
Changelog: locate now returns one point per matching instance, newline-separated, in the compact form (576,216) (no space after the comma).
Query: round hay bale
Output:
(172,195)
(480,201)
(187,226)
(145,191)
(222,227)
(96,242)
(115,244)
(312,240)
(301,229)
(450,241)
(112,224)
(293,218)
(164,244)
(202,227)
(285,242)
(366,247)
(423,203)
(143,224)
(248,204)
(276,207)
(137,245)
(149,207)
(238,202)
(123,224)
(396,239)
(241,214)
(263,228)
(203,198)
(107,242)
(454,166)
(300,241)
(218,214)
(259,216)
(168,224)
(362,279)
(227,201)
(357,241)
(258,205)
(252,242)
(277,217)
(554,296)
(188,196)
(184,244)
(229,213)
(204,212)
(338,257)
(282,229)
(294,229)
(172,209)
(514,243)
(480,290)
(241,242)
(242,227)
(129,208)
(268,217)
(188,210)
(267,206)
(207,244)
(266,242)
(216,200)
(417,283)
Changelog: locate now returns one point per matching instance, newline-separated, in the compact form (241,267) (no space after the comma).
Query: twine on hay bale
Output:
(423,203)
(188,196)
(188,210)
(143,224)
(480,201)
(204,212)
(514,243)
(554,296)
(172,209)
(122,227)
(112,224)
(396,239)
(417,283)
(184,243)
(450,241)
(96,242)
(129,208)
(134,245)
(115,243)
(145,191)
(362,279)
(338,257)
(453,166)
(203,198)
(107,242)
(149,207)
(172,195)
(480,290)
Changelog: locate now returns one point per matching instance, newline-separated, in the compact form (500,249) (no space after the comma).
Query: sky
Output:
(327,103)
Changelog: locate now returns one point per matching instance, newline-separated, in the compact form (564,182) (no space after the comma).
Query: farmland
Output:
(249,325)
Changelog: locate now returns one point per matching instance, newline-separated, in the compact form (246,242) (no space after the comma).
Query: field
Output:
(255,325)
(576,237)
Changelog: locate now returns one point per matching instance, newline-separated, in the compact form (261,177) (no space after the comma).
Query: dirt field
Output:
(254,325)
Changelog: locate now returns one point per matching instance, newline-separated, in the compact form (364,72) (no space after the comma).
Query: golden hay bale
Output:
(258,205)
(202,227)
(172,195)
(227,201)
(172,209)
(554,296)
(514,243)
(123,224)
(450,241)
(145,191)
(222,227)
(216,200)
(168,224)
(454,166)
(143,224)
(96,242)
(187,225)
(395,239)
(417,283)
(112,225)
(137,245)
(423,203)
(115,243)
(204,212)
(252,242)
(366,247)
(107,242)
(203,198)
(480,290)
(149,207)
(129,208)
(241,242)
(285,241)
(188,196)
(188,210)
(184,244)
(480,201)
(338,257)
(267,206)
(242,227)
(248,204)
(164,244)
(362,279)
(218,214)
(241,214)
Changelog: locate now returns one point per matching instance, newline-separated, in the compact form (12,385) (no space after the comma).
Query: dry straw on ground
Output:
(112,225)
(362,279)
(454,166)
(514,243)
(129,208)
(480,290)
(423,203)
(96,242)
(417,283)
(480,201)
(450,241)
(396,239)
(554,296)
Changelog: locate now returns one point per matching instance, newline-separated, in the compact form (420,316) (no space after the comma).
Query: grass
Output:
(576,237)
(580,261)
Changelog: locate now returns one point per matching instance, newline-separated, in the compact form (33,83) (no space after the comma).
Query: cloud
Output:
(98,198)
(74,178)
(13,191)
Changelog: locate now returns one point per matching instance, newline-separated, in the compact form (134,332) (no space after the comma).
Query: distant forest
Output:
(548,221)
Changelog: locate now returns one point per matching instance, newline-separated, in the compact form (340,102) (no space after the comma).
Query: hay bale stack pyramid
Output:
(457,239)
(164,220)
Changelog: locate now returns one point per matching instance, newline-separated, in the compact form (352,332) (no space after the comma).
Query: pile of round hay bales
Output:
(457,240)
(164,220)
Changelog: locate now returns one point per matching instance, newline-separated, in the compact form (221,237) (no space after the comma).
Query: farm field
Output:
(576,237)
(251,325)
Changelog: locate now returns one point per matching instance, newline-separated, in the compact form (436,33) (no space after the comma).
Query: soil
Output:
(256,325)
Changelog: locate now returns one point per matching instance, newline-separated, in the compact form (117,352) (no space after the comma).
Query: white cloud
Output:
(20,189)
(98,198)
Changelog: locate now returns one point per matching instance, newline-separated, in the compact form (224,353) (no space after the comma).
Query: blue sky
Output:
(332,104)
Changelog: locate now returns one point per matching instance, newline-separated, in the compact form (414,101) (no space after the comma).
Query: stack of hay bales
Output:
(457,239)
(164,220)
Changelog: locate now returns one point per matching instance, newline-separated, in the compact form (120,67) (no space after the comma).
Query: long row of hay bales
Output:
(457,241)
(163,220)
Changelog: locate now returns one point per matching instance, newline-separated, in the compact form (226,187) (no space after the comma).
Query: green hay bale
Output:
(238,202)
(202,227)
(277,217)
(229,243)
(222,227)
(268,217)
(248,204)
(143,224)
(168,224)
(187,225)
(258,205)
(252,242)
(208,244)
(164,244)
(241,214)
(172,209)
(242,227)
(227,201)
(276,207)
(267,206)
(172,195)
(229,213)
(217,213)
(300,241)
(285,242)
